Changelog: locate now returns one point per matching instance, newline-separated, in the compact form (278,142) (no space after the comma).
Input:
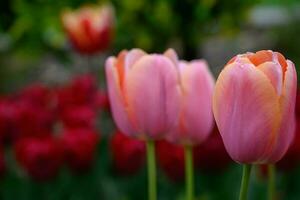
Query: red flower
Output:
(8,118)
(39,157)
(79,116)
(2,163)
(212,155)
(80,146)
(102,101)
(171,159)
(90,28)
(33,120)
(38,95)
(81,91)
(128,154)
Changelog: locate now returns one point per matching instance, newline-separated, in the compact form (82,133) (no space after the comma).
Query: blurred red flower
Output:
(90,28)
(171,159)
(2,163)
(128,154)
(33,121)
(38,95)
(102,101)
(209,156)
(212,155)
(41,158)
(79,116)
(8,118)
(81,91)
(80,146)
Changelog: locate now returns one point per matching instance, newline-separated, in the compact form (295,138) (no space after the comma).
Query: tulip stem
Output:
(151,169)
(271,182)
(189,172)
(245,182)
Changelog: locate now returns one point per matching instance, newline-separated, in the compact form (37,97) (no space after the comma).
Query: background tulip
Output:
(41,158)
(254,104)
(128,154)
(90,28)
(195,118)
(79,146)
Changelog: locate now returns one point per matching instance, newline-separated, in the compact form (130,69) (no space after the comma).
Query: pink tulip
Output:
(144,92)
(253,104)
(195,118)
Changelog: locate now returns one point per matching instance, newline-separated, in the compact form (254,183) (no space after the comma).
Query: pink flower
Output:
(195,118)
(90,28)
(254,106)
(144,92)
(128,154)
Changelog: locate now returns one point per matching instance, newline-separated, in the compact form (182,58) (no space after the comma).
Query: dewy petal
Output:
(287,101)
(246,109)
(153,95)
(274,72)
(117,102)
(196,118)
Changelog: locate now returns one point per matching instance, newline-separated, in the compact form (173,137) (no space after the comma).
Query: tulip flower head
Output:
(253,104)
(90,28)
(144,92)
(195,118)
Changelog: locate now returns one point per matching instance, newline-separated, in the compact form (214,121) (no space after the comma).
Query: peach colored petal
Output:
(133,56)
(118,106)
(274,72)
(172,55)
(287,101)
(153,95)
(260,57)
(246,109)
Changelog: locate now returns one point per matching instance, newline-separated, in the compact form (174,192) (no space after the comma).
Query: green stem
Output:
(151,169)
(189,172)
(245,182)
(271,182)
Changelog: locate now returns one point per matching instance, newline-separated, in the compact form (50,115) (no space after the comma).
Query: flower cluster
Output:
(50,127)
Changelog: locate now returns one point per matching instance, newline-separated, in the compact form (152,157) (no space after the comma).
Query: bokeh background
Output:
(58,140)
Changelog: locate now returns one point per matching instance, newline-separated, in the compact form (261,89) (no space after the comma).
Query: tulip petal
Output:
(245,107)
(288,98)
(152,91)
(274,72)
(170,53)
(132,56)
(118,105)
(196,117)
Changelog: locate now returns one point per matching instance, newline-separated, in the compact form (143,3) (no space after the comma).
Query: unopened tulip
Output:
(90,28)
(254,106)
(144,93)
(195,118)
